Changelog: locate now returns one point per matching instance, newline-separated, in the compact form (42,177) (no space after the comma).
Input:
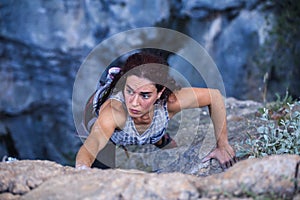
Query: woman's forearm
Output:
(100,134)
(218,115)
(94,143)
(87,153)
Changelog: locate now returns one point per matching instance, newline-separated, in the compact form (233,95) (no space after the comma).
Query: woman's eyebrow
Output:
(142,93)
(129,87)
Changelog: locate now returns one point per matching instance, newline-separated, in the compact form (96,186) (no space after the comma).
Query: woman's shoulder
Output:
(182,99)
(114,111)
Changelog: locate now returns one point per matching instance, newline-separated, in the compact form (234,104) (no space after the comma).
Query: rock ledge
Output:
(274,176)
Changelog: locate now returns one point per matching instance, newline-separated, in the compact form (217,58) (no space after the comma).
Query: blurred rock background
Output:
(43,44)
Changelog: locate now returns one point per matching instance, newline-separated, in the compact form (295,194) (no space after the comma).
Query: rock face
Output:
(44,43)
(270,177)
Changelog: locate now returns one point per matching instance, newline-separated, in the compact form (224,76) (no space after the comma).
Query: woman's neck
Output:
(143,123)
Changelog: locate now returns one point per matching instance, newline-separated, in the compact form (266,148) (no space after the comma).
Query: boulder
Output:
(275,176)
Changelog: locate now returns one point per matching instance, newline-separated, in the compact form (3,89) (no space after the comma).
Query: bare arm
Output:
(99,136)
(200,97)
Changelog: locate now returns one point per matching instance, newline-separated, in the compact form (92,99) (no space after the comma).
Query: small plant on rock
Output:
(278,134)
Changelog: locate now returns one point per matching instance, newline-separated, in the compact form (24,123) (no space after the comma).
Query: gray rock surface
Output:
(270,177)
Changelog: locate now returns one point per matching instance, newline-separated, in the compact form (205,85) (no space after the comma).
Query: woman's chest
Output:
(141,128)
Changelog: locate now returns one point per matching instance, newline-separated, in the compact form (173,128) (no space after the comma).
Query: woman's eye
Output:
(130,92)
(146,96)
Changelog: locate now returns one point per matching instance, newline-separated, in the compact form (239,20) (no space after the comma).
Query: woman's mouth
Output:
(133,111)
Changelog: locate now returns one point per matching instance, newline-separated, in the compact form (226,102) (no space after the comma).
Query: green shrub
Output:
(279,132)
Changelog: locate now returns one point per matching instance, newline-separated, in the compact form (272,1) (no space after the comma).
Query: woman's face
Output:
(140,95)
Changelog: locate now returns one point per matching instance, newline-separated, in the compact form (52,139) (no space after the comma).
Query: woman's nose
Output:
(135,100)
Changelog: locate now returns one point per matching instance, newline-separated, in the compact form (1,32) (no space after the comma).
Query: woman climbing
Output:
(142,99)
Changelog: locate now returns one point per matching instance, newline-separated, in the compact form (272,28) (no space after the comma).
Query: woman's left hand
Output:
(225,155)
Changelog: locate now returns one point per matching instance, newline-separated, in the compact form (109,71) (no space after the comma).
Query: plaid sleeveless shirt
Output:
(130,136)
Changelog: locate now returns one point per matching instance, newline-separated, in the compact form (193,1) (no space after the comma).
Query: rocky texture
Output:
(274,175)
(270,177)
(21,177)
(44,43)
